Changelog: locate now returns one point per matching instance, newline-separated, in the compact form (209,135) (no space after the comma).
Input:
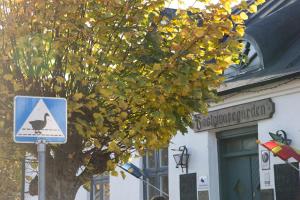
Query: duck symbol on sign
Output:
(38,125)
(203,181)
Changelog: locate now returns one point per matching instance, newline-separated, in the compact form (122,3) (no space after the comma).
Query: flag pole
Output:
(147,182)
(142,179)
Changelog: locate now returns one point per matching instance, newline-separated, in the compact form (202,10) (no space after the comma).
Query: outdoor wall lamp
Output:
(181,158)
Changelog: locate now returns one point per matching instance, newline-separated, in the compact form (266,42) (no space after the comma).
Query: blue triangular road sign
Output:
(40,118)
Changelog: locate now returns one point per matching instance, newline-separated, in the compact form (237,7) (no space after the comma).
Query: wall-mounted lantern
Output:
(182,158)
(280,136)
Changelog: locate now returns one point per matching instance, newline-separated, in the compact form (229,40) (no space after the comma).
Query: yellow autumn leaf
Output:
(123,174)
(87,159)
(219,71)
(240,30)
(185,91)
(244,16)
(227,6)
(123,115)
(110,165)
(57,88)
(114,173)
(253,8)
(123,105)
(74,68)
(260,1)
(113,147)
(228,59)
(106,92)
(91,104)
(190,56)
(162,99)
(97,143)
(17,86)
(8,77)
(37,61)
(130,170)
(91,60)
(157,66)
(60,79)
(199,32)
(237,19)
(77,96)
(176,47)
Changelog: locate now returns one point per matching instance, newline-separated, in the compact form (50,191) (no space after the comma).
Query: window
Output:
(100,189)
(156,167)
(250,61)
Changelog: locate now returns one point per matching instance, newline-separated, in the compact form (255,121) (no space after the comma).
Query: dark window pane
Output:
(152,191)
(165,184)
(101,187)
(98,195)
(164,157)
(106,191)
(233,145)
(249,143)
(151,160)
(155,165)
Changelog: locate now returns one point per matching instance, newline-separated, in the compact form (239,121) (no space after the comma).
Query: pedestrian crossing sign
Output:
(40,119)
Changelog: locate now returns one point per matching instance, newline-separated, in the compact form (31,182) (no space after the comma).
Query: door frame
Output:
(233,133)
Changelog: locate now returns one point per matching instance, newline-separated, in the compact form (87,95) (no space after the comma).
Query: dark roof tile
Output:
(277,36)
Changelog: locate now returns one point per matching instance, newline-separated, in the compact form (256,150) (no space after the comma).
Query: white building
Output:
(261,95)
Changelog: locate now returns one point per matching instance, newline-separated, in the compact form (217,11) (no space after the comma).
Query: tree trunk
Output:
(61,189)
(62,166)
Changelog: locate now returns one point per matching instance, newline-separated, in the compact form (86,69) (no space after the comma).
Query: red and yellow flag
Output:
(283,151)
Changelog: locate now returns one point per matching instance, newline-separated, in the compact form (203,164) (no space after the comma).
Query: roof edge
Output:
(257,84)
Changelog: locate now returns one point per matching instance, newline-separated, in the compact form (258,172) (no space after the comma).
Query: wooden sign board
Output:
(188,186)
(243,113)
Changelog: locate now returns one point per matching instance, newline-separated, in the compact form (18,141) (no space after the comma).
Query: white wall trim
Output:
(277,89)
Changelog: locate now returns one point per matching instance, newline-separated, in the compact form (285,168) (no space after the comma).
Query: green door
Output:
(239,172)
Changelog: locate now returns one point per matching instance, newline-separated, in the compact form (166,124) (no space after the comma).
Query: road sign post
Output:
(41,149)
(40,120)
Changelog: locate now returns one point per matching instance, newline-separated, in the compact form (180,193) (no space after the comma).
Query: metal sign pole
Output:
(23,178)
(41,149)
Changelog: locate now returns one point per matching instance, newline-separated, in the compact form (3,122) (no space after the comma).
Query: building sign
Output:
(234,115)
(40,118)
(188,186)
(287,181)
(265,160)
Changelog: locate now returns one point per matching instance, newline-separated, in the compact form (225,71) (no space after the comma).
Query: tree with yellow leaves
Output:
(132,72)
(10,169)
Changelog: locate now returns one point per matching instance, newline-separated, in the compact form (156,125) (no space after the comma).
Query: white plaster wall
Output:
(82,194)
(197,145)
(214,192)
(287,118)
(129,188)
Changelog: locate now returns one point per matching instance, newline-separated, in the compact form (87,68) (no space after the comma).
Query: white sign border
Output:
(39,139)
